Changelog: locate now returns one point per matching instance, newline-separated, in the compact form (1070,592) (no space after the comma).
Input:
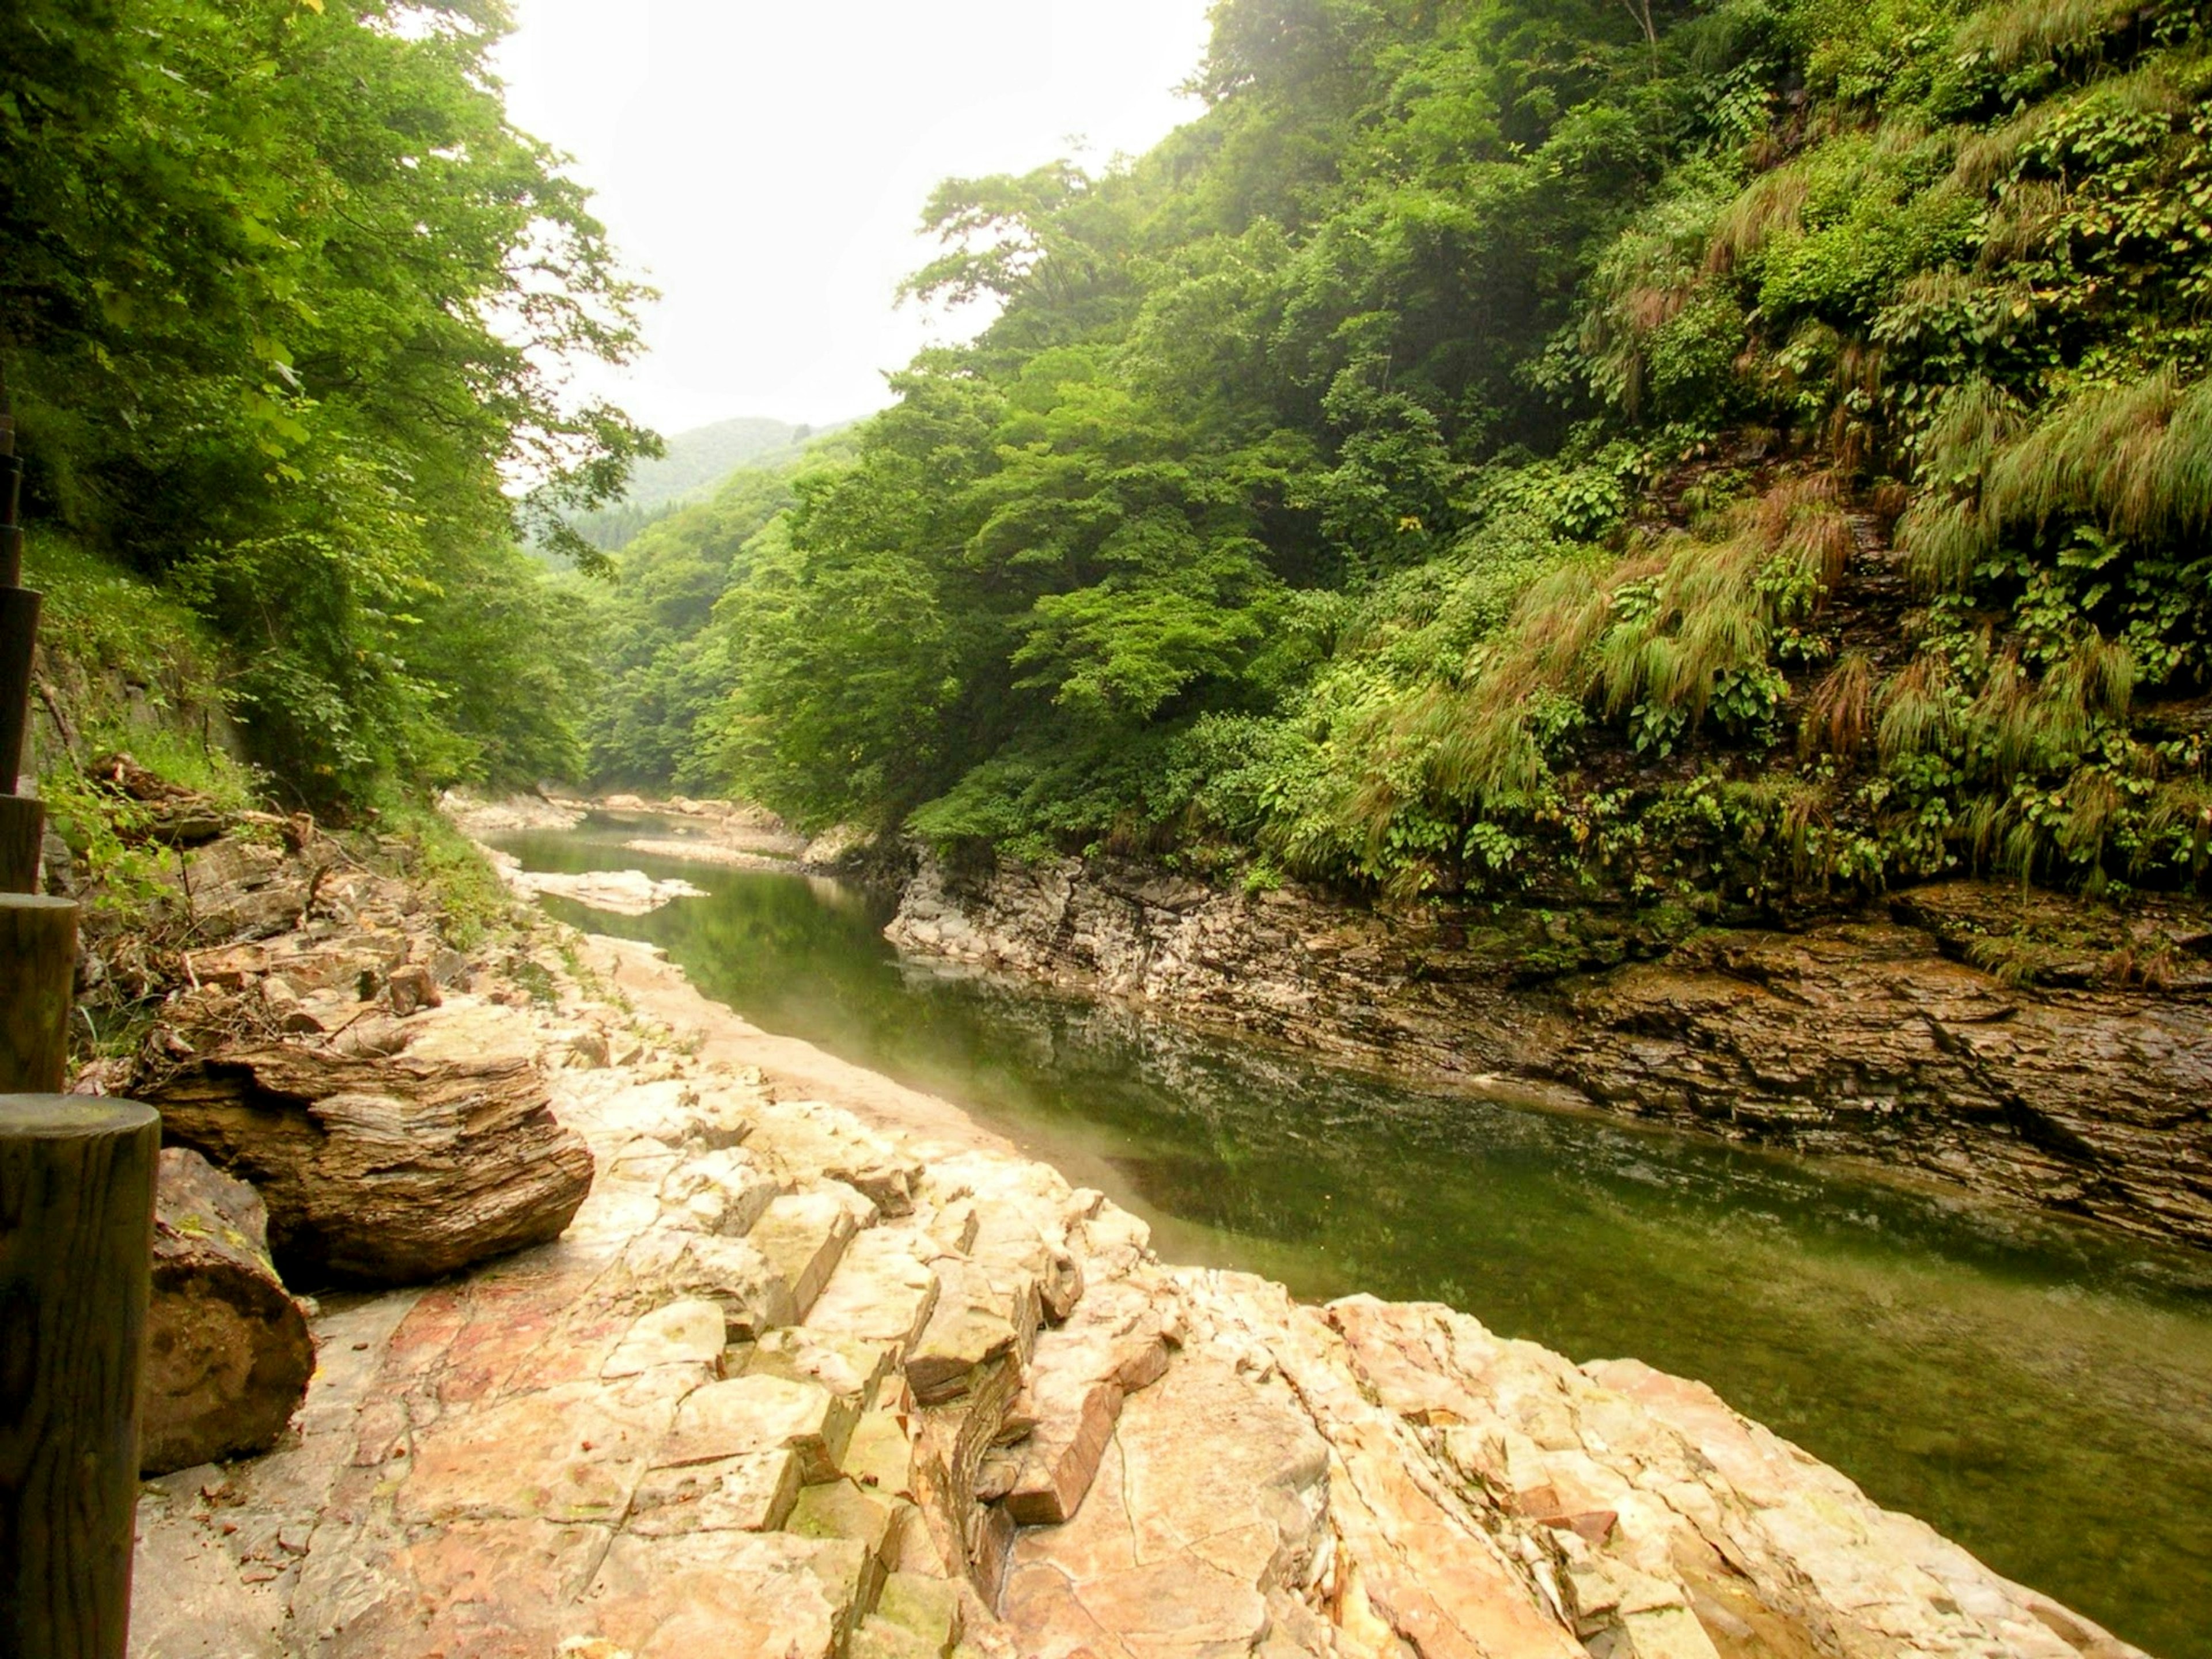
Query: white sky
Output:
(766,165)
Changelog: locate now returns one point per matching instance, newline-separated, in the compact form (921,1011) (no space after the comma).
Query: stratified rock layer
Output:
(420,1146)
(799,1384)
(1870,1037)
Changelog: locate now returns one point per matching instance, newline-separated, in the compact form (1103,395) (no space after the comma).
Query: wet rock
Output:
(228,1350)
(2053,1054)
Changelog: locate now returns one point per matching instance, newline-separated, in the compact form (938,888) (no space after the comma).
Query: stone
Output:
(410,989)
(229,1354)
(1116,1342)
(968,1327)
(703,1266)
(723,1192)
(754,1492)
(735,1595)
(884,1291)
(1216,1501)
(758,1413)
(852,1369)
(682,1333)
(881,1454)
(916,1617)
(570,1453)
(804,1236)
(387,1169)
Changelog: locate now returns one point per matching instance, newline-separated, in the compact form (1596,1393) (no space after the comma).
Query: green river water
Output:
(2041,1392)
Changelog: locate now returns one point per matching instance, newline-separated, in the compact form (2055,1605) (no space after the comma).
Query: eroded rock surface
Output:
(1877,1037)
(417,1148)
(228,1350)
(802,1382)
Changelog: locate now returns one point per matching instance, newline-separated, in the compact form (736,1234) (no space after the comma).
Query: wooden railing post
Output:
(38,990)
(76,1238)
(22,820)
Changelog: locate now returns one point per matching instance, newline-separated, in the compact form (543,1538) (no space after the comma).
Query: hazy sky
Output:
(766,164)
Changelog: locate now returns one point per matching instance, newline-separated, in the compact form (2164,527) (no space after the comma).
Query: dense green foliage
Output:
(1470,455)
(693,466)
(282,311)
(664,664)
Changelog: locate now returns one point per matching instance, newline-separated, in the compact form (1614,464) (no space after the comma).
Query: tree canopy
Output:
(1725,443)
(285,313)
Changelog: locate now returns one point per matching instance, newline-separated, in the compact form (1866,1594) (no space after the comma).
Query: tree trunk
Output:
(228,1350)
(38,987)
(76,1213)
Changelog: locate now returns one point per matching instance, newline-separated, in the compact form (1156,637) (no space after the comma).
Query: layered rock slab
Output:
(391,1166)
(1867,1036)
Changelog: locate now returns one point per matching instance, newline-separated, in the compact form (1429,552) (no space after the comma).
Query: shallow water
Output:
(2041,1392)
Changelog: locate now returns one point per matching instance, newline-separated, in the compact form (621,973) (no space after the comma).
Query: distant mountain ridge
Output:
(699,460)
(696,464)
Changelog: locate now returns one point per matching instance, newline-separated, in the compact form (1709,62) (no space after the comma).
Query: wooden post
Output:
(22,838)
(22,823)
(76,1235)
(19,647)
(38,988)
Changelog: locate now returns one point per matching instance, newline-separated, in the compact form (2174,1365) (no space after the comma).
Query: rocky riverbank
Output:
(821,1367)
(2040,1051)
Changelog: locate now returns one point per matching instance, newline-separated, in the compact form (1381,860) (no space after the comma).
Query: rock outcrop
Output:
(801,1383)
(322,1046)
(228,1350)
(416,1148)
(1877,1036)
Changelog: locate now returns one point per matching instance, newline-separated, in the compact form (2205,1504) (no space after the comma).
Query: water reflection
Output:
(2039,1391)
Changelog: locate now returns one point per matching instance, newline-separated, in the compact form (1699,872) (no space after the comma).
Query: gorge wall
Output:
(1876,1035)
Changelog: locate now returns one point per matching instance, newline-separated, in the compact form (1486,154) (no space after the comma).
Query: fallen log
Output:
(229,1354)
(386,1168)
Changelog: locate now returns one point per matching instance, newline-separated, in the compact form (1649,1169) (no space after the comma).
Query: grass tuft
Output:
(1839,715)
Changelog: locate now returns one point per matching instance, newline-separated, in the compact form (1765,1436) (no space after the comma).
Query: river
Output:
(2038,1390)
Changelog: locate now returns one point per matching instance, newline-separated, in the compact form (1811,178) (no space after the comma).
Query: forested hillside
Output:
(283,312)
(693,466)
(664,664)
(1757,444)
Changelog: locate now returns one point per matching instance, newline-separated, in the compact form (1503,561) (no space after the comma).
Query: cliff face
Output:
(1876,1036)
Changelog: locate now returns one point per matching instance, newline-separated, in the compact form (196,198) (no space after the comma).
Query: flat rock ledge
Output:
(822,1369)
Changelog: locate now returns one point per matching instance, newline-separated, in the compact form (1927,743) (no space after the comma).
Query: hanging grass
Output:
(2017,31)
(1921,711)
(2177,828)
(1950,529)
(2136,458)
(1772,207)
(1839,714)
(2021,223)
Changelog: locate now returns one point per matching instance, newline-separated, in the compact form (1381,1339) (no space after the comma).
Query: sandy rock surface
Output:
(819,1369)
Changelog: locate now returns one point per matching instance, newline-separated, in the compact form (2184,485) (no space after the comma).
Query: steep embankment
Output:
(822,1369)
(2044,1077)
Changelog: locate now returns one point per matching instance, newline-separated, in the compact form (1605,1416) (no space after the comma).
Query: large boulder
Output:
(228,1350)
(392,1152)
